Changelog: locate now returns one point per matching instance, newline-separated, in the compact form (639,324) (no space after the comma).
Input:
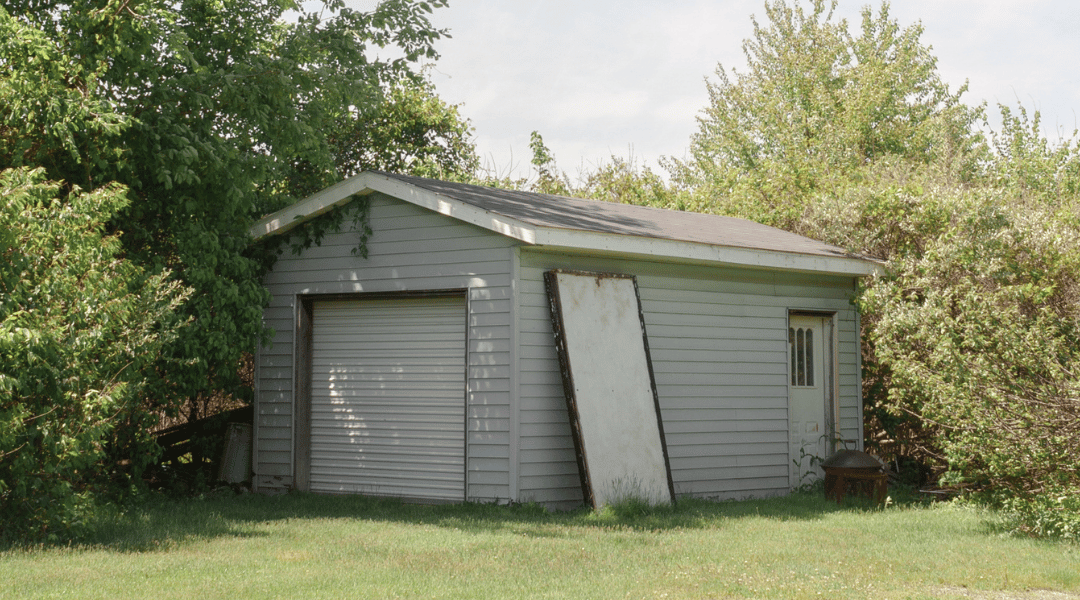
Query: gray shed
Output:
(428,369)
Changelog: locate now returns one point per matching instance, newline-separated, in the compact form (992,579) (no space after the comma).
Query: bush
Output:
(979,333)
(81,336)
(1053,514)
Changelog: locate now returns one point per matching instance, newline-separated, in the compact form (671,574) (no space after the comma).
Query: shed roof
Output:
(573,223)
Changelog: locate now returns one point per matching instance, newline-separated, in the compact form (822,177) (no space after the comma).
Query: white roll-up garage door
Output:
(388,397)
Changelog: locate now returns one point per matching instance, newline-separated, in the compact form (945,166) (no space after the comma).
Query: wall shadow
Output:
(164,524)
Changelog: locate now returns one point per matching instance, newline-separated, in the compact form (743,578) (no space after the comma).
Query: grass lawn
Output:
(304,546)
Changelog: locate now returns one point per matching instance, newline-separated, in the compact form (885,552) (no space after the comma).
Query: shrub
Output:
(1054,513)
(979,333)
(81,335)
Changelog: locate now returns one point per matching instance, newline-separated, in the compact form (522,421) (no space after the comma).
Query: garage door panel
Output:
(384,460)
(404,458)
(388,429)
(373,362)
(418,487)
(375,412)
(394,400)
(388,397)
(388,460)
(420,422)
(390,474)
(402,345)
(430,379)
(440,450)
(384,487)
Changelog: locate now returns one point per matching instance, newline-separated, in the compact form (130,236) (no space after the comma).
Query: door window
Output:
(801,343)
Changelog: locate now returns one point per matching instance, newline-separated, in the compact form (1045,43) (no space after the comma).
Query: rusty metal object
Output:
(855,472)
(852,459)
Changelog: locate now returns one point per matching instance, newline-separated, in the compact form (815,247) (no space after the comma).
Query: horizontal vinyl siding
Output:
(718,341)
(274,401)
(410,250)
(850,385)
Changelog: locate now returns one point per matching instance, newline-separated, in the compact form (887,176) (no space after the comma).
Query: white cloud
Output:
(597,77)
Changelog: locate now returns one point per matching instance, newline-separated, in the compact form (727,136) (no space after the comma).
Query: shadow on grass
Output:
(162,524)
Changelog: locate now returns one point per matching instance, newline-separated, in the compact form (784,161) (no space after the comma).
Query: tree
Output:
(815,106)
(51,115)
(83,333)
(549,178)
(625,181)
(1030,166)
(411,131)
(621,180)
(979,333)
(212,113)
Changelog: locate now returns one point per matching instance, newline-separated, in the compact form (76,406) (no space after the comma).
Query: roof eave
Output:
(366,183)
(314,205)
(709,253)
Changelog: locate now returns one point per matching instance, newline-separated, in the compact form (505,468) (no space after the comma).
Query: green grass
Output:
(303,546)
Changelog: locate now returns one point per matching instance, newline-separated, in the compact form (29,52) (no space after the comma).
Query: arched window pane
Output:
(791,344)
(800,346)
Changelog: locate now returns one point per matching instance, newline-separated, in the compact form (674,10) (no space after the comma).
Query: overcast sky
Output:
(603,77)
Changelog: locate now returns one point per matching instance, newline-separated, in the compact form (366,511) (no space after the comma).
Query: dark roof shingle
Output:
(545,210)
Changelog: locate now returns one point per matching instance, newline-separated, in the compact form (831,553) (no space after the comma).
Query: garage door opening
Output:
(387,397)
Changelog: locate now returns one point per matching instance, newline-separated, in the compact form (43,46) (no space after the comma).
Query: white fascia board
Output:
(366,183)
(312,206)
(747,257)
(461,211)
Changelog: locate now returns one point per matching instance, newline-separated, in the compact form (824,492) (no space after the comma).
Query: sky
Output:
(598,78)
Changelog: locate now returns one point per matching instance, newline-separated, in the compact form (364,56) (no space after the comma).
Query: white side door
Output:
(808,427)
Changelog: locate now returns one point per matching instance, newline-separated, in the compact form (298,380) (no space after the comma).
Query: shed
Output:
(428,369)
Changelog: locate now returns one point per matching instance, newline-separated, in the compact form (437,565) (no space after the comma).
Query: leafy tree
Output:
(623,180)
(815,106)
(1031,167)
(50,113)
(82,334)
(549,178)
(212,113)
(411,131)
(979,332)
